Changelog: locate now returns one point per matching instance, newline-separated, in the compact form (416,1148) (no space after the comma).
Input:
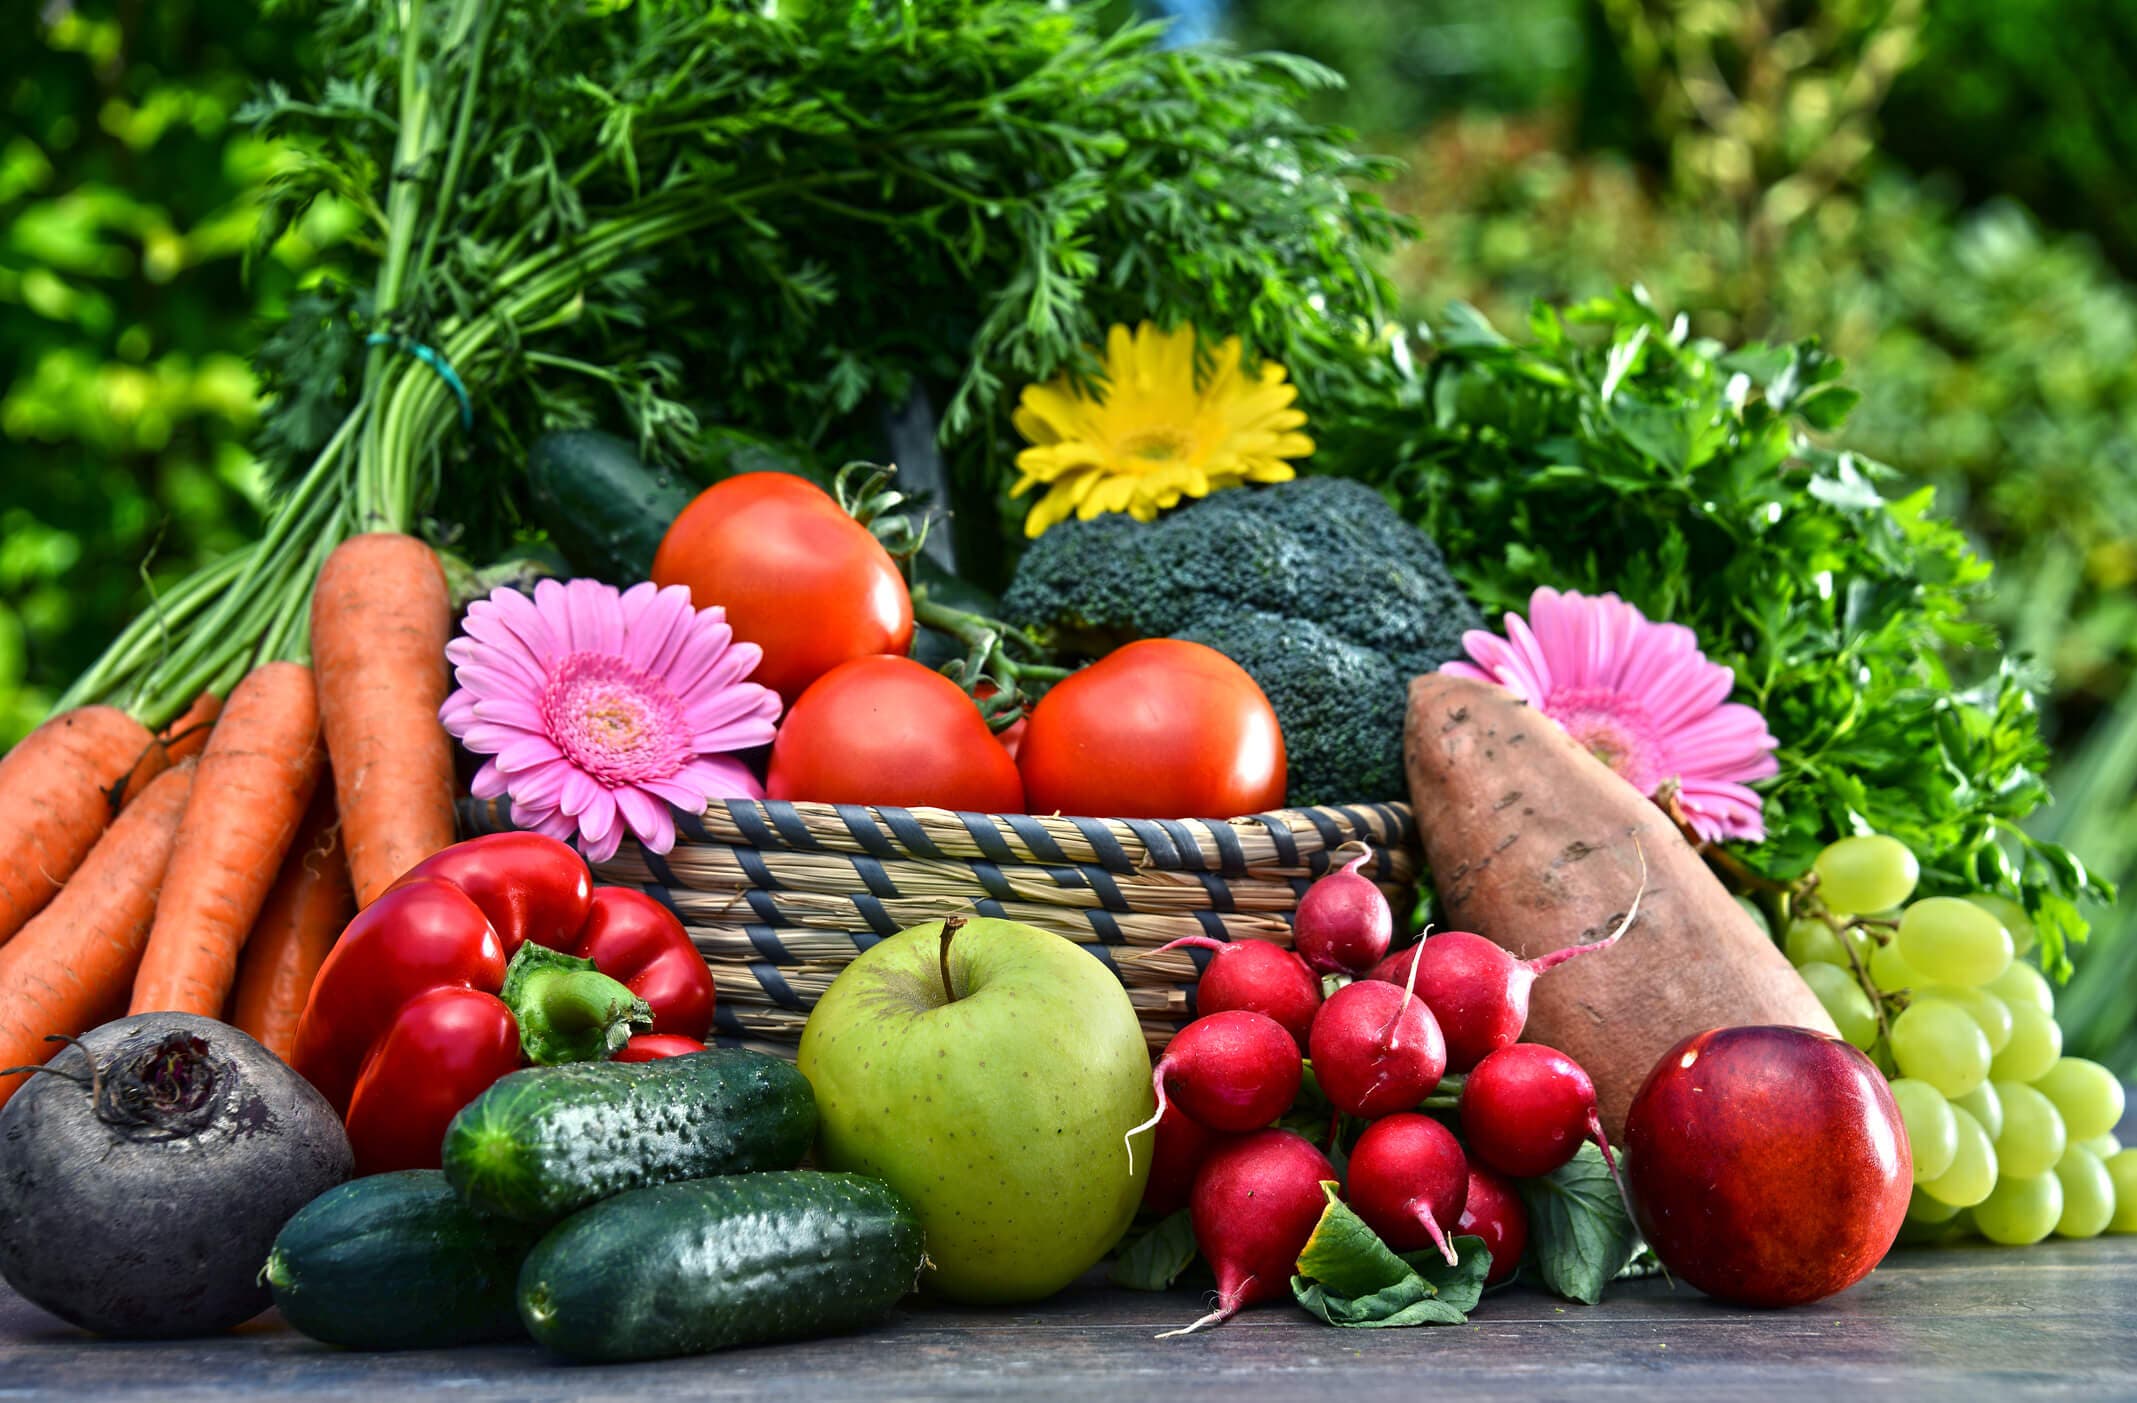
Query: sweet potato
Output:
(1530,840)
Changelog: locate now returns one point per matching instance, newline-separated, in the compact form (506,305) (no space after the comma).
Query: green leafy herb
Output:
(1155,1259)
(1348,1276)
(1614,452)
(667,214)
(1580,1236)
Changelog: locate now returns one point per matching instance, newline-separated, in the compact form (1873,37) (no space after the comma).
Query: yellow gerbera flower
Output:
(1152,436)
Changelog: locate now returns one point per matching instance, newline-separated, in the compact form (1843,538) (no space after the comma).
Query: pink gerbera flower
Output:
(1641,697)
(601,709)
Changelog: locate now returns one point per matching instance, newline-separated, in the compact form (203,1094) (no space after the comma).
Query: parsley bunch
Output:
(1612,451)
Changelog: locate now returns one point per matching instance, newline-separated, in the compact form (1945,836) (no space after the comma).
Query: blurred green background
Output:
(1946,194)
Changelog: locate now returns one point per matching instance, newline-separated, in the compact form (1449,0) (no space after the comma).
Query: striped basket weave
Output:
(782,896)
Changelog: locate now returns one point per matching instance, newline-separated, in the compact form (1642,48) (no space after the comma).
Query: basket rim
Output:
(1291,837)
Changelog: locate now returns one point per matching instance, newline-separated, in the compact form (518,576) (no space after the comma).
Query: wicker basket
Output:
(781,896)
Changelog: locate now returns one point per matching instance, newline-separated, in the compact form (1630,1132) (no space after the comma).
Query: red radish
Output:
(1343,924)
(1256,1201)
(1526,1109)
(1376,1049)
(1410,1182)
(1177,1156)
(1495,1213)
(1231,1072)
(1256,975)
(1479,992)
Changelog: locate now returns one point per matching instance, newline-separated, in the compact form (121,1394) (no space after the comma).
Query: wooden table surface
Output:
(1971,1323)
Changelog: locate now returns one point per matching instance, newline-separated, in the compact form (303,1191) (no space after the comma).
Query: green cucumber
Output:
(396,1261)
(724,452)
(547,1141)
(704,1265)
(605,509)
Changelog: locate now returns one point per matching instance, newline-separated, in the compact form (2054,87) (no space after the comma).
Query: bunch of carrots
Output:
(208,866)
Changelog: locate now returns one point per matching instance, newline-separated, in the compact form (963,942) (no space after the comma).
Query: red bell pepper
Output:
(490,955)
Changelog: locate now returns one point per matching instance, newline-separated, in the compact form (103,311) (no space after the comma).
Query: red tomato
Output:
(1158,729)
(887,730)
(797,576)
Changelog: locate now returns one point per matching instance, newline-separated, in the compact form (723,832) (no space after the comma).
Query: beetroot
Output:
(1230,1071)
(1526,1109)
(1181,1147)
(1256,1201)
(1409,1181)
(1343,923)
(1494,1212)
(1258,976)
(1376,1049)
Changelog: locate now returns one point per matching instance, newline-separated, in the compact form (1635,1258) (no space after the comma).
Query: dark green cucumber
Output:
(547,1141)
(724,452)
(396,1261)
(605,508)
(704,1265)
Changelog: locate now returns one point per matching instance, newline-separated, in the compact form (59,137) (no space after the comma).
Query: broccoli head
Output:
(1326,596)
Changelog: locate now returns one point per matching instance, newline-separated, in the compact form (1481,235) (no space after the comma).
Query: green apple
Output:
(988,1074)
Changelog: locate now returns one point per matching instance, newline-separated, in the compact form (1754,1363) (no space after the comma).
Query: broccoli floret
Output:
(1340,704)
(1317,587)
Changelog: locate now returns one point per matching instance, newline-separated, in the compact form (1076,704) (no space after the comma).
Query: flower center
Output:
(1612,727)
(618,724)
(1162,445)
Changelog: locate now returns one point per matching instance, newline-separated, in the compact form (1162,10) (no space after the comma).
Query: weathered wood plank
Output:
(1971,1322)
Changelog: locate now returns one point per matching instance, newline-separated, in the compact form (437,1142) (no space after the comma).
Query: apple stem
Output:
(950,928)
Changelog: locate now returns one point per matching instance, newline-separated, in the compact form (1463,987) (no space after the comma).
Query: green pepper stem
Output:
(568,1011)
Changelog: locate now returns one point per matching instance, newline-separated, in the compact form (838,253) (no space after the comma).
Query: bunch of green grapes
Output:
(2010,1138)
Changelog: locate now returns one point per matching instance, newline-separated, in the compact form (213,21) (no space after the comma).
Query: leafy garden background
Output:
(1947,195)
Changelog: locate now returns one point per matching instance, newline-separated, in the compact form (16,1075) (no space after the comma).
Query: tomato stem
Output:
(1002,686)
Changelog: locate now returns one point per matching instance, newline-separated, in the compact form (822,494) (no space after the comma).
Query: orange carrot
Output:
(57,796)
(256,780)
(70,966)
(304,913)
(188,735)
(381,618)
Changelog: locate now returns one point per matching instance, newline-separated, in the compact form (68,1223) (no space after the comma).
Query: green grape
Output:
(2014,918)
(1867,873)
(2035,1044)
(1845,1001)
(1952,942)
(1986,1107)
(2103,1146)
(1973,1168)
(1811,941)
(1919,1232)
(1881,1058)
(1992,1013)
(1921,1208)
(2023,984)
(1932,1130)
(1757,913)
(1941,1044)
(2088,1095)
(2088,1194)
(2018,1212)
(2122,1170)
(1890,972)
(2033,1137)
